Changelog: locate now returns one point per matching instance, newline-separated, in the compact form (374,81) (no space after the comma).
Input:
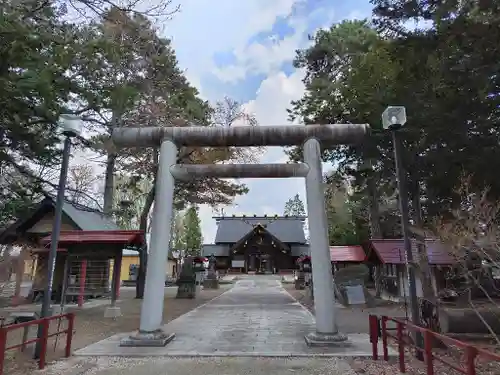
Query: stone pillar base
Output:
(299,284)
(157,338)
(112,312)
(325,339)
(211,284)
(186,290)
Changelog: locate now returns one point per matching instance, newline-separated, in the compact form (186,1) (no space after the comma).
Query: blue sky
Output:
(244,49)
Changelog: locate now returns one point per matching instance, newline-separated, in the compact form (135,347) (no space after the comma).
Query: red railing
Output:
(378,328)
(45,323)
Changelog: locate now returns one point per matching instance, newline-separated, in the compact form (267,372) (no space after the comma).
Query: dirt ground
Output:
(91,326)
(355,320)
(351,319)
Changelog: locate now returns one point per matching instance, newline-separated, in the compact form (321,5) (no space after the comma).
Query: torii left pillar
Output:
(150,332)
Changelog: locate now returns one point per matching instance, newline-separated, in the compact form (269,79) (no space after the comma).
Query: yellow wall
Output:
(29,267)
(128,260)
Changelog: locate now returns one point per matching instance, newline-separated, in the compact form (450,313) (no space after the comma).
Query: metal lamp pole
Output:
(394,118)
(71,127)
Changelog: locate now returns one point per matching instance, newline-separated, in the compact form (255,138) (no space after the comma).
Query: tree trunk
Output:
(429,304)
(375,230)
(143,256)
(109,184)
(143,226)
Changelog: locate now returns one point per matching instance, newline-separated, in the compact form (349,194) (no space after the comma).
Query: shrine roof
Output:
(287,229)
(118,237)
(347,254)
(81,217)
(391,251)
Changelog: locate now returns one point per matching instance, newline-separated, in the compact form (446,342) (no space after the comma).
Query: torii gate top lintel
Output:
(240,136)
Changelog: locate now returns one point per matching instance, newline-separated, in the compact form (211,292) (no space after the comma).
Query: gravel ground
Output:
(414,366)
(91,326)
(355,319)
(200,366)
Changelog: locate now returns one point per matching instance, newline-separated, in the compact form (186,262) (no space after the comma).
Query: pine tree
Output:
(193,237)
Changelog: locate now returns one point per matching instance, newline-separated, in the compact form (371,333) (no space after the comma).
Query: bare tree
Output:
(82,183)
(227,113)
(87,9)
(472,236)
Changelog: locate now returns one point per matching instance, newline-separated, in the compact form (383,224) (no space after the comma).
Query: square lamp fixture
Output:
(71,125)
(394,117)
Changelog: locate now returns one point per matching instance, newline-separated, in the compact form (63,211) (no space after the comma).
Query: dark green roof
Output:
(286,229)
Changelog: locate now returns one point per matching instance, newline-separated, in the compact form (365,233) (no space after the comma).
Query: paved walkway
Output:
(257,317)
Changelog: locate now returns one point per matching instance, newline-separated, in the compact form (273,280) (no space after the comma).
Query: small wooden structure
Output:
(388,257)
(82,268)
(32,234)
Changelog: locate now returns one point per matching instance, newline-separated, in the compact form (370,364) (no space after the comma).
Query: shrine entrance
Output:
(261,252)
(170,139)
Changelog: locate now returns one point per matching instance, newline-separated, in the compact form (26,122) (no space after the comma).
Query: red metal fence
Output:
(45,323)
(379,329)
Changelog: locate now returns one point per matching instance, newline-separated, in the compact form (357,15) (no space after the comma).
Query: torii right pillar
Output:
(327,333)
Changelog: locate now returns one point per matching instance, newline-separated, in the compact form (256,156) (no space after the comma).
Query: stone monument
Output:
(187,280)
(350,285)
(211,281)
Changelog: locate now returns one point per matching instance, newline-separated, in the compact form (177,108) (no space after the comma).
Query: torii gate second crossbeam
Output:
(171,138)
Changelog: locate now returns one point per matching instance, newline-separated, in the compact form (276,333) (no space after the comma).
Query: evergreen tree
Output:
(177,237)
(295,207)
(193,237)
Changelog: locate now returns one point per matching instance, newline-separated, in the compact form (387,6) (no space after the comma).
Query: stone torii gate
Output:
(169,139)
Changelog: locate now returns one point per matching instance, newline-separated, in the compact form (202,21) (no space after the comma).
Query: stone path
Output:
(255,328)
(256,318)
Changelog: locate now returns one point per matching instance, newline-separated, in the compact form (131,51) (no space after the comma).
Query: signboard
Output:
(355,295)
(238,264)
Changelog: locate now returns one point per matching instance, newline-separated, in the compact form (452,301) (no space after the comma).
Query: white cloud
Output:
(224,26)
(267,56)
(274,96)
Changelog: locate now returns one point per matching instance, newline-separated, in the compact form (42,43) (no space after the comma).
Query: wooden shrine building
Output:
(261,244)
(90,245)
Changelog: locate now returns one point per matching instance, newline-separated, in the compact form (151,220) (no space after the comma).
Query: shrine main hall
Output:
(261,244)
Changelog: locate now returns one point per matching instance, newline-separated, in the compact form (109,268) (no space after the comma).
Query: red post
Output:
(428,339)
(83,276)
(384,338)
(470,357)
(43,347)
(3,347)
(118,263)
(401,347)
(373,321)
(69,333)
